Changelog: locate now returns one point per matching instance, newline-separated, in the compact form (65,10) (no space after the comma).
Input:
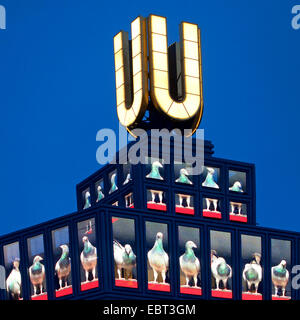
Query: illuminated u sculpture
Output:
(132,95)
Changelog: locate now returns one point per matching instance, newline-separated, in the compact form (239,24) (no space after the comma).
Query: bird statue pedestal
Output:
(212,214)
(225,294)
(197,291)
(184,210)
(84,286)
(238,218)
(43,296)
(156,206)
(129,283)
(251,296)
(165,287)
(280,298)
(64,292)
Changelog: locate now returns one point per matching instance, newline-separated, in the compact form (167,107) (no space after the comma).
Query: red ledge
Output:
(251,296)
(89,285)
(226,294)
(184,210)
(159,287)
(281,298)
(43,296)
(157,206)
(212,214)
(114,219)
(238,218)
(127,283)
(131,206)
(63,292)
(191,290)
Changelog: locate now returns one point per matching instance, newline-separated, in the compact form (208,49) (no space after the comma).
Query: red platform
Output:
(114,219)
(225,294)
(281,298)
(184,210)
(43,296)
(159,287)
(157,206)
(64,292)
(131,206)
(89,285)
(212,214)
(127,283)
(238,218)
(251,296)
(191,290)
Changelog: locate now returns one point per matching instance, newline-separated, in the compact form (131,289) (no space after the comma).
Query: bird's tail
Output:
(117,243)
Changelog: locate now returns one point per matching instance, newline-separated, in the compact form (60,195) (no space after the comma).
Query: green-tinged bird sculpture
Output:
(87,202)
(252,273)
(280,277)
(13,282)
(100,194)
(113,183)
(154,173)
(88,258)
(158,259)
(209,180)
(124,257)
(37,274)
(220,270)
(183,177)
(63,266)
(237,187)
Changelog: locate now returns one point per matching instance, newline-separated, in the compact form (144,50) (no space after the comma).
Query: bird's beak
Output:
(194,246)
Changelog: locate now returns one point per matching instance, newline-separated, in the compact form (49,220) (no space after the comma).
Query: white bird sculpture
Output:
(124,257)
(209,180)
(280,277)
(88,258)
(220,270)
(13,282)
(37,274)
(237,187)
(154,173)
(252,273)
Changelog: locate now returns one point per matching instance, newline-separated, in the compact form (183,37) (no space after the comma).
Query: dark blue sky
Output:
(57,90)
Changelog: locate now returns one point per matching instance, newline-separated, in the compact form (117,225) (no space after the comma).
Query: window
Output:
(210,177)
(99,189)
(184,203)
(88,254)
(157,256)
(36,269)
(237,181)
(221,270)
(212,208)
(189,260)
(129,200)
(182,173)
(156,200)
(124,250)
(252,272)
(62,260)
(12,268)
(281,269)
(155,169)
(237,211)
(86,199)
(113,180)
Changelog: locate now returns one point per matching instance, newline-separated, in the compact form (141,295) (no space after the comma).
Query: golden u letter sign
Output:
(173,104)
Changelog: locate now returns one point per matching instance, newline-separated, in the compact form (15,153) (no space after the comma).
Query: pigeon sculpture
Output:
(37,274)
(124,257)
(87,197)
(280,277)
(183,177)
(128,178)
(252,273)
(220,270)
(158,258)
(189,263)
(113,183)
(209,180)
(63,266)
(154,173)
(88,258)
(237,187)
(13,282)
(100,195)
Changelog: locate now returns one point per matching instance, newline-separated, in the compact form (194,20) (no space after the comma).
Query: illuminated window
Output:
(127,173)
(155,169)
(88,254)
(12,268)
(281,269)
(212,208)
(124,249)
(62,262)
(210,177)
(221,262)
(99,189)
(156,200)
(36,269)
(113,180)
(86,198)
(252,274)
(129,200)
(157,249)
(189,260)
(182,173)
(237,211)
(237,181)
(184,203)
